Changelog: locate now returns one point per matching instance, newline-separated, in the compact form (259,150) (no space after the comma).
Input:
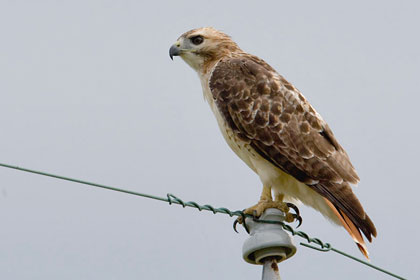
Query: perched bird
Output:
(270,125)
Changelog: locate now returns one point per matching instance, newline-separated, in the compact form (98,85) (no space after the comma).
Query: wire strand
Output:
(172,199)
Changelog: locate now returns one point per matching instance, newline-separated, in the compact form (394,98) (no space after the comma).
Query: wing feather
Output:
(262,108)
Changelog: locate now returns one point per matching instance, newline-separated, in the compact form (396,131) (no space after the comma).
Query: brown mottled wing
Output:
(262,108)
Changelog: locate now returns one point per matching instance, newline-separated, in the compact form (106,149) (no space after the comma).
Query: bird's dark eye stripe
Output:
(197,40)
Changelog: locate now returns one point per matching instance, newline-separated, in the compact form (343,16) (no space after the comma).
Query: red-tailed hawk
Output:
(270,125)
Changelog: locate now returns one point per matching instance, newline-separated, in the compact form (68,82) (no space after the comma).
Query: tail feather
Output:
(351,228)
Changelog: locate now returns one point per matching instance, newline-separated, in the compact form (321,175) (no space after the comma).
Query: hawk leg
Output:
(266,201)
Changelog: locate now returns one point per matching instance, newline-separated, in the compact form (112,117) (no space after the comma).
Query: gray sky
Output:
(88,90)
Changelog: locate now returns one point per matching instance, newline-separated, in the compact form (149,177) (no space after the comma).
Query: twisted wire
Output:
(172,199)
(323,246)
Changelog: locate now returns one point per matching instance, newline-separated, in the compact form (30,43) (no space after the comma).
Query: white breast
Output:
(241,148)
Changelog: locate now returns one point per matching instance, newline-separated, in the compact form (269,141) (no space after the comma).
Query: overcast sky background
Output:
(88,91)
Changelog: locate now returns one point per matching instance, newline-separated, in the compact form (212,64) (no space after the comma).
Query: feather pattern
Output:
(272,116)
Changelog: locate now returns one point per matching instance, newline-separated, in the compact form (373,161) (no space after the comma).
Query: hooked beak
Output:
(174,51)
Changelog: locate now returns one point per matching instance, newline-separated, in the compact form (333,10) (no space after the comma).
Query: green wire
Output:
(170,198)
(82,182)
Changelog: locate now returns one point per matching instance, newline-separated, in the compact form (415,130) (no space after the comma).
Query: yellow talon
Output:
(266,201)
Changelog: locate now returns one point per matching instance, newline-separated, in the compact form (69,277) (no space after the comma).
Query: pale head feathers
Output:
(212,46)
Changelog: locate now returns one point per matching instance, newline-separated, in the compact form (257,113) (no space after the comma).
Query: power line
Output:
(172,199)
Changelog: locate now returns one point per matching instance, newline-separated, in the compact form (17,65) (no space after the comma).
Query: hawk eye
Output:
(197,40)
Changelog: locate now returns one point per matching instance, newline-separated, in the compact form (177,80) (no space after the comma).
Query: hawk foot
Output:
(257,210)
(262,205)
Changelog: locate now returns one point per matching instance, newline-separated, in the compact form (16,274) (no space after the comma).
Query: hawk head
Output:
(202,46)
